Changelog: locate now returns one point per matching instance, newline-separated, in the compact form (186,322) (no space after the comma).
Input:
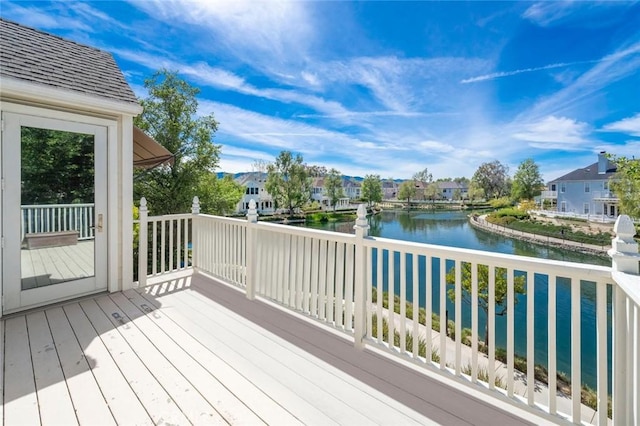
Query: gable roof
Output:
(588,173)
(37,57)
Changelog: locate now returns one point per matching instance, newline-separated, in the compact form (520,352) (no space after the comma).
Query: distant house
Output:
(352,188)
(254,185)
(450,190)
(319,194)
(585,191)
(389,189)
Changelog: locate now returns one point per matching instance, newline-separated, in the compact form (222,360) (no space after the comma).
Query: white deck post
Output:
(143,249)
(195,252)
(625,263)
(252,219)
(360,287)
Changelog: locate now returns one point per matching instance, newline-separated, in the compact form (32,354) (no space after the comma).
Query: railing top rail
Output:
(306,232)
(40,206)
(169,216)
(234,220)
(629,284)
(595,272)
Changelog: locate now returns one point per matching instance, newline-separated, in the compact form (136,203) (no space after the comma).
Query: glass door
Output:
(54,207)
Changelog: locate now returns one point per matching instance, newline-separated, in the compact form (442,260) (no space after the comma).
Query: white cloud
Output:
(554,132)
(545,13)
(629,125)
(437,146)
(268,29)
(496,75)
(38,18)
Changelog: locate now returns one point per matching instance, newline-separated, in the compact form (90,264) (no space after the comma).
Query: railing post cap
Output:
(624,228)
(252,213)
(195,207)
(143,203)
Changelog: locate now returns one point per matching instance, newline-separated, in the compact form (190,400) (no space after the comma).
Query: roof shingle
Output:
(37,57)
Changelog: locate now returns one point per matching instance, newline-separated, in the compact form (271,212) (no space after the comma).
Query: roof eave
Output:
(40,93)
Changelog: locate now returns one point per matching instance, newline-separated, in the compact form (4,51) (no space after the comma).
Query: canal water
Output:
(453,229)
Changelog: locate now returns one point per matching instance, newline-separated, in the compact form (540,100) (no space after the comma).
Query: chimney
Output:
(603,163)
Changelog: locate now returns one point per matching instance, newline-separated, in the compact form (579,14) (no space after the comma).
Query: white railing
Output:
(549,194)
(602,218)
(604,195)
(58,217)
(351,281)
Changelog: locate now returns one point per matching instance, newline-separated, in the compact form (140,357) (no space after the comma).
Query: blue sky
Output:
(384,87)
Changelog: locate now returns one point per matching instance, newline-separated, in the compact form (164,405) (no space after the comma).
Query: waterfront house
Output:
(389,189)
(585,191)
(254,189)
(236,321)
(450,190)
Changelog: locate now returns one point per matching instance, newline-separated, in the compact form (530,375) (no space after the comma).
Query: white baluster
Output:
(142,243)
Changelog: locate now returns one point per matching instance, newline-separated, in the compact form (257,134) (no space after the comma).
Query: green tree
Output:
(626,185)
(432,191)
(372,189)
(501,282)
(527,181)
(288,181)
(475,192)
(170,117)
(407,191)
(424,178)
(333,186)
(219,196)
(492,178)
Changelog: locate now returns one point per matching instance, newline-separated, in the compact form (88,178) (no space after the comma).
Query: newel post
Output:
(624,249)
(252,239)
(143,249)
(625,261)
(360,287)
(195,252)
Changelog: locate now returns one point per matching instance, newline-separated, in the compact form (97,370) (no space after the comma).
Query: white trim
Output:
(42,93)
(18,108)
(126,205)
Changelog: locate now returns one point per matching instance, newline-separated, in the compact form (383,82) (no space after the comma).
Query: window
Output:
(563,206)
(553,187)
(586,208)
(605,185)
(563,188)
(587,187)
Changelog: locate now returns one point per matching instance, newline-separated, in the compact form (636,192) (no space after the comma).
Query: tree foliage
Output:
(424,178)
(500,285)
(432,191)
(170,117)
(57,167)
(407,191)
(492,178)
(333,186)
(219,196)
(526,181)
(372,189)
(475,192)
(288,181)
(626,185)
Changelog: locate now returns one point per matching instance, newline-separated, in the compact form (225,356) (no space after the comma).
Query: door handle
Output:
(98,227)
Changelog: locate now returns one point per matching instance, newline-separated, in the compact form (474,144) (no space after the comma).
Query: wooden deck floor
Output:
(194,351)
(52,265)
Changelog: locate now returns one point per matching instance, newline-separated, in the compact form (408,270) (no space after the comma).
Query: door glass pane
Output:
(57,206)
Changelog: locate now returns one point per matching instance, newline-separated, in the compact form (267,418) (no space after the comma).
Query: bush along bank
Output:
(519,220)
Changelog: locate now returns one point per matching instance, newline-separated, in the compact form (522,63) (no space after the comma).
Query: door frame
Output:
(109,175)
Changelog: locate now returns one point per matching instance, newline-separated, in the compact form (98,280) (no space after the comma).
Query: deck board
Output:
(194,350)
(54,400)
(20,400)
(190,401)
(315,381)
(149,392)
(123,403)
(242,388)
(87,398)
(51,265)
(225,404)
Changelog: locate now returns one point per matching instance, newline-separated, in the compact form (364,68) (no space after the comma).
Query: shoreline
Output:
(480,222)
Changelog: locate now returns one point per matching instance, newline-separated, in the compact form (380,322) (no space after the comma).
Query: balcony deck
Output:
(194,350)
